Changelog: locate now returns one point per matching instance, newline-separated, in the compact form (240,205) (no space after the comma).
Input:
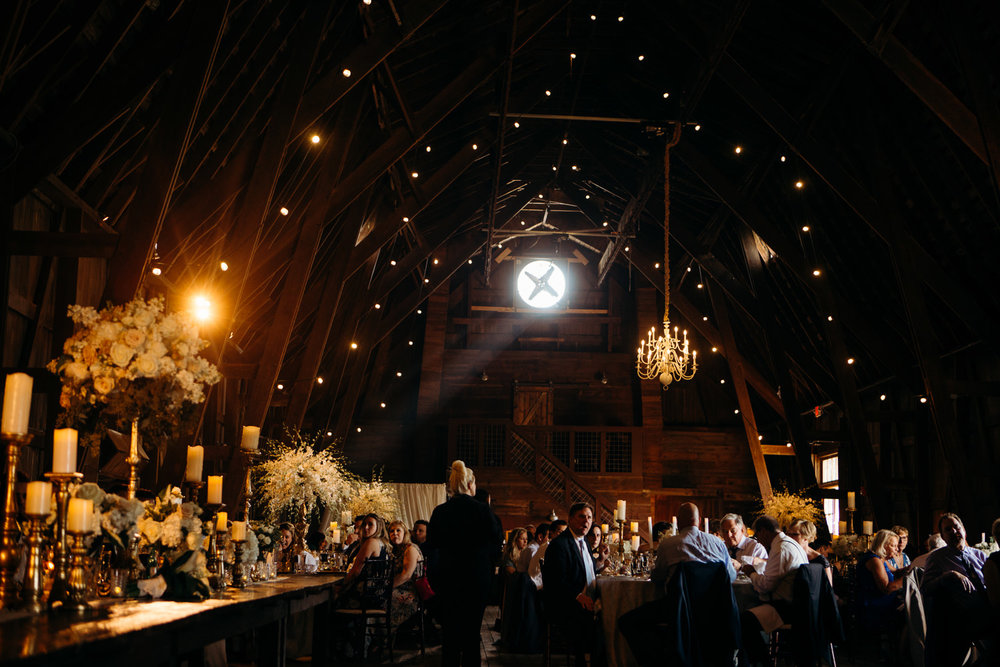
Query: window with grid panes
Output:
(619,452)
(587,451)
(493,441)
(466,447)
(559,446)
(829,478)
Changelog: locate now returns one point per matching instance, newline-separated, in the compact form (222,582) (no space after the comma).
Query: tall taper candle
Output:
(214,490)
(16,404)
(620,514)
(80,515)
(195,460)
(850,500)
(251,438)
(39,499)
(64,441)
(706,524)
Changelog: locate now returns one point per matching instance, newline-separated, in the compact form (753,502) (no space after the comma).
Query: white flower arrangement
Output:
(373,497)
(171,525)
(133,360)
(298,478)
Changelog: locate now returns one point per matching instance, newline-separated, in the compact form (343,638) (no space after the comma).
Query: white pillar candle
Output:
(706,524)
(195,460)
(673,523)
(850,500)
(221,521)
(982,538)
(633,527)
(16,404)
(866,527)
(620,515)
(238,531)
(604,529)
(39,501)
(335,537)
(635,543)
(251,438)
(64,441)
(649,526)
(841,527)
(80,516)
(214,490)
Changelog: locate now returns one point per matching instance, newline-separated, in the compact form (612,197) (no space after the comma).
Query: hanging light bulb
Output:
(666,357)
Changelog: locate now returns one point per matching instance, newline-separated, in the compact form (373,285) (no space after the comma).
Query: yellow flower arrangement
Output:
(788,507)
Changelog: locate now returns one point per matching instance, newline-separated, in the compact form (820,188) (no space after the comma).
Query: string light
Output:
(850,361)
(420,311)
(548,93)
(641,58)
(923,399)
(621,18)
(314,138)
(666,95)
(829,318)
(697,128)
(565,141)
(593,17)
(378,306)
(816,272)
(224,266)
(406,218)
(522,223)
(428,149)
(381,405)
(722,381)
(283,211)
(157,270)
(319,380)
(782,158)
(572,56)
(329,433)
(738,150)
(805,228)
(415,175)
(435,260)
(354,345)
(346,72)
(392,262)
(359,429)
(736,411)
(759,437)
(656,266)
(280,386)
(715,349)
(409,342)
(399,374)
(475,147)
(882,397)
(798,185)
(517,124)
(700,286)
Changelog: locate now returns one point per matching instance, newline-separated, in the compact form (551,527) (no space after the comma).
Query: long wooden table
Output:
(155,632)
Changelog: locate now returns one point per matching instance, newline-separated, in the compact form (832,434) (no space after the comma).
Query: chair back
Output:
(817,621)
(708,618)
(375,584)
(916,618)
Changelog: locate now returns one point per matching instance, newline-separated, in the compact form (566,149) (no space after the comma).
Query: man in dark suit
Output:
(568,574)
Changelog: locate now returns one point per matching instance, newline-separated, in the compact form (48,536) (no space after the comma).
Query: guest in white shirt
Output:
(535,566)
(775,584)
(743,549)
(689,544)
(934,541)
(540,537)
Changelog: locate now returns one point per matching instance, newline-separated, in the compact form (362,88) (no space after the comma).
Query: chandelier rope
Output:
(666,357)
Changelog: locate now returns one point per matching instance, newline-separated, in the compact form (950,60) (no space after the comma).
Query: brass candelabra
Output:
(34,575)
(192,489)
(239,581)
(248,458)
(62,481)
(76,599)
(10,550)
(216,562)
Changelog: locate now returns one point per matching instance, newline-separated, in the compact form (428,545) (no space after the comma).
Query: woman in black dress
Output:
(465,537)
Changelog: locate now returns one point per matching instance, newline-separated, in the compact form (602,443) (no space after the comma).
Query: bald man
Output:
(689,544)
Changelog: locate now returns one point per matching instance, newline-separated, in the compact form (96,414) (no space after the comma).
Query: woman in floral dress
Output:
(408,566)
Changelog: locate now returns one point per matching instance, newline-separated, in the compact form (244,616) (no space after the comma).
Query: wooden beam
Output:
(742,395)
(62,244)
(167,146)
(914,75)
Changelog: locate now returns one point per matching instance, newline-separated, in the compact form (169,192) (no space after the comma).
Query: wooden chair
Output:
(373,614)
(808,590)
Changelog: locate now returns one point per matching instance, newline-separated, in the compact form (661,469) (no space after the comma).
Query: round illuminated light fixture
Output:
(541,284)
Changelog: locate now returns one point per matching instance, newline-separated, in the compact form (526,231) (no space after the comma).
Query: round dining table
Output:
(620,594)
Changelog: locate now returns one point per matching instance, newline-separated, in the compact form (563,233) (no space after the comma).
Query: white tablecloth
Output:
(619,595)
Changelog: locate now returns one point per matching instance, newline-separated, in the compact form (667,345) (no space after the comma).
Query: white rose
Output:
(158,348)
(134,338)
(76,371)
(108,330)
(144,318)
(146,365)
(182,349)
(149,528)
(121,354)
(103,384)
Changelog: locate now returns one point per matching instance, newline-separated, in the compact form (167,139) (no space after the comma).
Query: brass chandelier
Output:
(666,357)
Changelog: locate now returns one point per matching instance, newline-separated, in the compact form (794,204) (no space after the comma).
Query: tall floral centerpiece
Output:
(128,361)
(373,497)
(171,530)
(788,507)
(298,477)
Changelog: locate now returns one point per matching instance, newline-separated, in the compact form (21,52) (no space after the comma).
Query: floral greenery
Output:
(133,360)
(788,507)
(373,497)
(298,476)
(172,528)
(846,546)
(267,537)
(117,518)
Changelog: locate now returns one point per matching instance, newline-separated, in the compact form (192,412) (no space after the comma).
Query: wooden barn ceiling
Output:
(855,138)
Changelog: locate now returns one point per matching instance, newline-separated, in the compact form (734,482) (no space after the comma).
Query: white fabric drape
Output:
(417,501)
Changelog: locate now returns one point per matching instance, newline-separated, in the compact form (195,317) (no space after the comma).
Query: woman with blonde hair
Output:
(517,541)
(879,591)
(374,546)
(408,566)
(804,532)
(466,536)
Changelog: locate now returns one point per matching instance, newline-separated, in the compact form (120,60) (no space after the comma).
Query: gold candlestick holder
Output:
(216,562)
(62,481)
(192,489)
(850,520)
(239,581)
(76,599)
(10,550)
(248,458)
(133,461)
(34,575)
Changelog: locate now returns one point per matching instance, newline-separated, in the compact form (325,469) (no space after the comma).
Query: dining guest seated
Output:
(353,539)
(598,549)
(934,541)
(878,592)
(689,544)
(406,569)
(517,541)
(536,539)
(372,544)
(774,586)
(418,535)
(569,577)
(661,529)
(284,556)
(955,592)
(901,560)
(804,532)
(535,567)
(742,548)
